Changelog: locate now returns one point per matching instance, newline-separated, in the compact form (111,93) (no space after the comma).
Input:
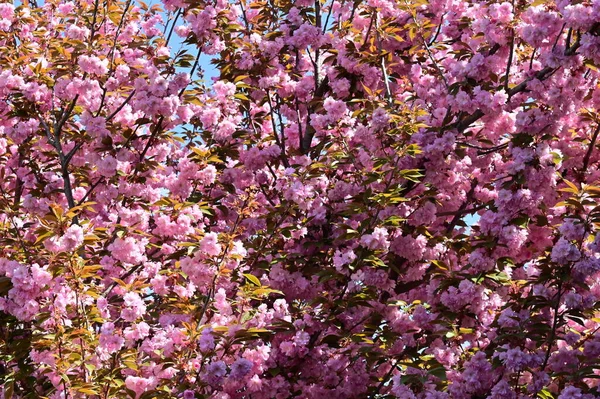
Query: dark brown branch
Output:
(67,183)
(299,122)
(558,37)
(327,18)
(460,211)
(262,188)
(484,150)
(532,58)
(569,33)
(87,194)
(157,127)
(19,182)
(192,70)
(64,164)
(510,60)
(65,116)
(120,107)
(588,154)
(554,326)
(93,27)
(282,131)
(17,231)
(384,380)
(439,29)
(364,45)
(73,151)
(280,142)
(310,131)
(173,26)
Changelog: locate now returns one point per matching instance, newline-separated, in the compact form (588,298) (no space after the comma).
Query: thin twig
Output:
(120,107)
(439,29)
(510,60)
(463,206)
(588,154)
(554,326)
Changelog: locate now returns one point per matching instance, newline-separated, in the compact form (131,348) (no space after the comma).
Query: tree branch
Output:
(120,107)
(545,73)
(510,60)
(310,131)
(462,208)
(588,154)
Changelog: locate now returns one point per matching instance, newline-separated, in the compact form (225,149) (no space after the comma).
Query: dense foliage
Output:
(298,227)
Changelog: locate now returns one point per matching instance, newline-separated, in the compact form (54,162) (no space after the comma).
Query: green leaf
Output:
(253,279)
(545,394)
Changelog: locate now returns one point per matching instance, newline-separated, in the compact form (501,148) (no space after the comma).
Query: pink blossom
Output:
(128,250)
(93,65)
(377,240)
(240,368)
(139,385)
(210,245)
(564,252)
